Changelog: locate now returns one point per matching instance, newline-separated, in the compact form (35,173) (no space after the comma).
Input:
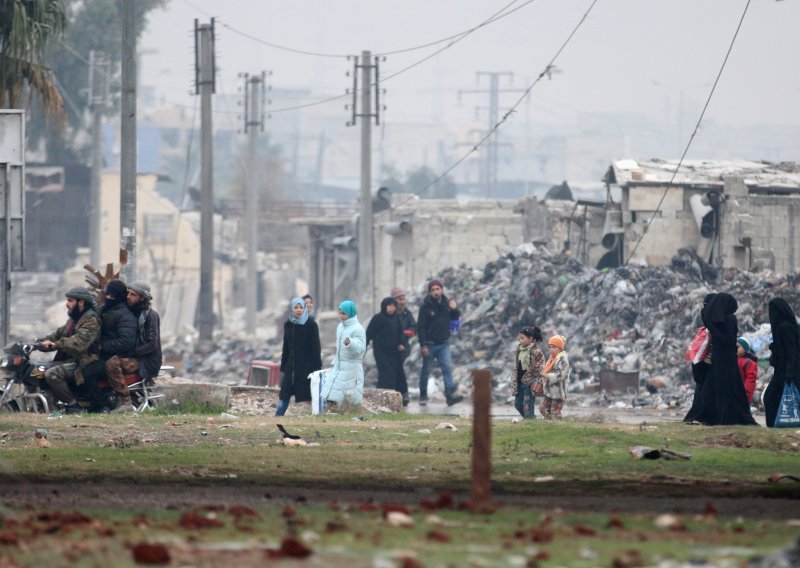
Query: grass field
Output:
(569,493)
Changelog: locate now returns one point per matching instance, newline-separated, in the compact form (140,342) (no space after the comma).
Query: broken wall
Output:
(672,228)
(442,233)
(758,231)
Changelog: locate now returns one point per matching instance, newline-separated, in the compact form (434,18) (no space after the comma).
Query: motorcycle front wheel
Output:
(9,406)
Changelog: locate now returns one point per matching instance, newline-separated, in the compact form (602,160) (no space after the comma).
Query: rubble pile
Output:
(636,319)
(626,319)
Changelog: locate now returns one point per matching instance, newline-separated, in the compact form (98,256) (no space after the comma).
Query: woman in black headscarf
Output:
(699,373)
(785,357)
(723,399)
(385,331)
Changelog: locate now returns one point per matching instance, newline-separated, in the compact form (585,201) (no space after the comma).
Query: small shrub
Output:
(192,401)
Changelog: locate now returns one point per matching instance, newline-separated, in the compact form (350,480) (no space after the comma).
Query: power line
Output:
(694,132)
(502,13)
(493,18)
(671,181)
(545,73)
(499,15)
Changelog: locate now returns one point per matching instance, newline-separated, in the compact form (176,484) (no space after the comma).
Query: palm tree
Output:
(26,29)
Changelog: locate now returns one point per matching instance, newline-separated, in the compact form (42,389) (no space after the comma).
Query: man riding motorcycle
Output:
(76,343)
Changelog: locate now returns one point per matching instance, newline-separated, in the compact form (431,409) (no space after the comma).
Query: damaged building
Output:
(415,238)
(733,213)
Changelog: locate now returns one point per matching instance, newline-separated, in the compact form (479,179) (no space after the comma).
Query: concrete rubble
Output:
(629,319)
(632,319)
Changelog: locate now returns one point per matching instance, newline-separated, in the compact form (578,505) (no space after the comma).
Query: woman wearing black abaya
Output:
(388,344)
(723,399)
(785,357)
(699,373)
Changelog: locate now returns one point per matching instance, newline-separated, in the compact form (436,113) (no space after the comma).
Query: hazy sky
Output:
(612,64)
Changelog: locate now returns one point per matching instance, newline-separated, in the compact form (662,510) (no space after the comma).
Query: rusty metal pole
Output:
(481,489)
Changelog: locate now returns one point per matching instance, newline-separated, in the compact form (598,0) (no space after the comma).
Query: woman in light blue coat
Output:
(346,379)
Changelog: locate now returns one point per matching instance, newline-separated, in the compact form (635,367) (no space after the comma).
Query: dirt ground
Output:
(185,495)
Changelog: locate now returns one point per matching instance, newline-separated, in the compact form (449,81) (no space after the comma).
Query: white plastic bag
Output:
(317,384)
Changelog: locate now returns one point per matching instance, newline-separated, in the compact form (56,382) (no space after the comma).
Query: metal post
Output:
(205,312)
(481,487)
(491,155)
(5,186)
(127,202)
(98,92)
(489,162)
(365,268)
(252,127)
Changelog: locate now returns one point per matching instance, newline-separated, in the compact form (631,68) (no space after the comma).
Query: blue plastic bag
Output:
(789,409)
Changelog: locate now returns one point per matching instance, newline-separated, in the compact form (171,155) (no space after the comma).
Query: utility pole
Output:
(366,279)
(205,84)
(98,102)
(320,160)
(253,124)
(488,177)
(127,202)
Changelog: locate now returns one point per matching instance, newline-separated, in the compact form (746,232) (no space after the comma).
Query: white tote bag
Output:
(317,383)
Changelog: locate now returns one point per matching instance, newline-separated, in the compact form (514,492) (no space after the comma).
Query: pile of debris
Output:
(632,319)
(628,319)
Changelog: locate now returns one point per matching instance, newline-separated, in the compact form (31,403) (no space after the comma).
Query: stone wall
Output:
(442,233)
(757,231)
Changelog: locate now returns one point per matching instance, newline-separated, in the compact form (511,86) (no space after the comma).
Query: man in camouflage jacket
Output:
(76,343)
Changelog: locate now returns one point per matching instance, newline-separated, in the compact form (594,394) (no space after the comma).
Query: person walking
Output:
(407,321)
(785,357)
(389,344)
(409,326)
(301,355)
(700,367)
(528,365)
(748,367)
(435,315)
(345,381)
(722,398)
(555,376)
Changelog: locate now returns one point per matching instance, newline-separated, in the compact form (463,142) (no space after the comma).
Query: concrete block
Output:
(194,395)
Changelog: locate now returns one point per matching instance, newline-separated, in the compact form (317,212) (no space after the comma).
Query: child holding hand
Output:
(528,364)
(748,366)
(555,376)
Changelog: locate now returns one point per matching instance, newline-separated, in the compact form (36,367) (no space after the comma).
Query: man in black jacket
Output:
(117,337)
(435,316)
(145,358)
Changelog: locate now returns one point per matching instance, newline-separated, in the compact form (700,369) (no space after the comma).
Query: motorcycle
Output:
(22,390)
(25,388)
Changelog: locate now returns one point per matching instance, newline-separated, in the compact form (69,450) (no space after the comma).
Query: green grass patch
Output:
(402,452)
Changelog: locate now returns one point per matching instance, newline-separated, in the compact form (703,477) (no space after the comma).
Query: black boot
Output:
(452,396)
(423,398)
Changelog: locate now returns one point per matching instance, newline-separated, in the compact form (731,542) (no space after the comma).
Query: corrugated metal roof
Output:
(707,172)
